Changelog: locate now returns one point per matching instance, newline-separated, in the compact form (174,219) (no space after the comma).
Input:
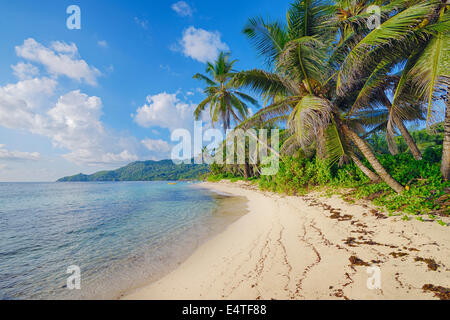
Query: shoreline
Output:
(308,247)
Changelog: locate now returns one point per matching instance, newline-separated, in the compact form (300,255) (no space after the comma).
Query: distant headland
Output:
(164,170)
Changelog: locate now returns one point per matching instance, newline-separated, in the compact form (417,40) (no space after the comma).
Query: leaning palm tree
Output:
(445,165)
(375,77)
(225,102)
(301,86)
(420,36)
(300,42)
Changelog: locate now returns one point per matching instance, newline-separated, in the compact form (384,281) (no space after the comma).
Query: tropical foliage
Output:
(226,104)
(344,78)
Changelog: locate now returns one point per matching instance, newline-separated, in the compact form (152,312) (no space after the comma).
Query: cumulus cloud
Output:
(72,120)
(159,145)
(59,59)
(65,48)
(182,9)
(19,103)
(17,155)
(25,71)
(202,45)
(72,123)
(166,111)
(124,157)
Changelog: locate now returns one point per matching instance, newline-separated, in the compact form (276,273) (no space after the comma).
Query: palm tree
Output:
(375,77)
(418,35)
(445,165)
(301,85)
(226,103)
(332,103)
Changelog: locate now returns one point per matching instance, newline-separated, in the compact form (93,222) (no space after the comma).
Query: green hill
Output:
(164,170)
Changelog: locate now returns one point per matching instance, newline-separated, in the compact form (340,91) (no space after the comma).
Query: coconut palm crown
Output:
(226,103)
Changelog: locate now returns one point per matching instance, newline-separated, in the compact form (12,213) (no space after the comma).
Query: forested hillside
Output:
(144,171)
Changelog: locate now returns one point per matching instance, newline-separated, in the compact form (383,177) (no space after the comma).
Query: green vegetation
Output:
(426,192)
(164,170)
(225,102)
(343,92)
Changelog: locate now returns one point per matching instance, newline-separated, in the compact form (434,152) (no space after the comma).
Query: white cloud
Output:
(71,121)
(59,59)
(17,155)
(62,47)
(182,9)
(166,111)
(103,43)
(159,145)
(74,124)
(123,157)
(25,71)
(202,45)
(19,103)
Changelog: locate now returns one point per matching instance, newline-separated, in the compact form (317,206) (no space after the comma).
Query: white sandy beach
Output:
(303,248)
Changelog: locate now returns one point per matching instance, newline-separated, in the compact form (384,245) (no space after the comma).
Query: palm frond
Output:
(396,28)
(247,98)
(309,115)
(290,146)
(307,18)
(431,73)
(201,107)
(208,81)
(260,81)
(374,81)
(304,59)
(278,109)
(334,145)
(268,37)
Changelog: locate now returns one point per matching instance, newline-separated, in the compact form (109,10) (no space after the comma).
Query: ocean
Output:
(121,235)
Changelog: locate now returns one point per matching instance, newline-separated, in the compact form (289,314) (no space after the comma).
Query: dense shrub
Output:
(422,180)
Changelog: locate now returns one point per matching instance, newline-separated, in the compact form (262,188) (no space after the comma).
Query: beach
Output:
(310,247)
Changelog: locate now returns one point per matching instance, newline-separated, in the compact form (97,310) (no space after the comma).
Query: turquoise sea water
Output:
(121,235)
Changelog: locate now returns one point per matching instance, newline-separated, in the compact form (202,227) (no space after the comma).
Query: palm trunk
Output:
(393,149)
(403,130)
(408,139)
(321,152)
(445,165)
(372,175)
(370,156)
(246,169)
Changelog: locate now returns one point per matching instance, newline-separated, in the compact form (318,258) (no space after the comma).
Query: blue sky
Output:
(97,98)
